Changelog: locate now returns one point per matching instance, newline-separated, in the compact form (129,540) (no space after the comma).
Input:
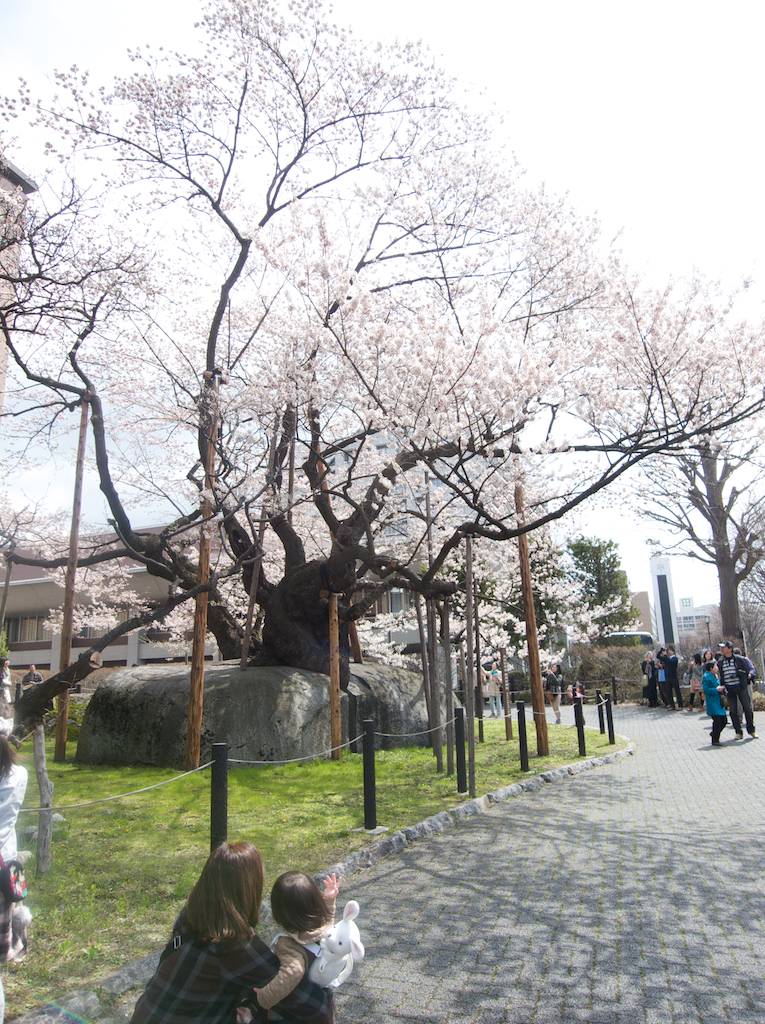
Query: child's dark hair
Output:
(297,903)
(7,757)
(709,665)
(697,658)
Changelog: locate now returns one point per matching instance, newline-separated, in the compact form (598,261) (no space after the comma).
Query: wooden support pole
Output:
(197,680)
(529,615)
(45,820)
(448,688)
(435,684)
(258,562)
(478,665)
(424,663)
(6,585)
(353,637)
(62,703)
(505,695)
(335,725)
(469,664)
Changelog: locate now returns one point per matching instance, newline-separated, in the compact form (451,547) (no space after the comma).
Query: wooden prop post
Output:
(448,688)
(425,665)
(258,562)
(197,680)
(478,666)
(537,693)
(335,728)
(505,695)
(469,664)
(45,820)
(435,687)
(62,703)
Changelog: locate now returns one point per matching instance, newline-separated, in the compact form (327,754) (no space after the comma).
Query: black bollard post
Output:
(370,792)
(601,720)
(613,690)
(19,691)
(610,720)
(579,719)
(522,741)
(219,795)
(459,742)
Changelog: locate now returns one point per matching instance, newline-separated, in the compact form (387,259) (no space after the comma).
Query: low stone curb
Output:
(95,1006)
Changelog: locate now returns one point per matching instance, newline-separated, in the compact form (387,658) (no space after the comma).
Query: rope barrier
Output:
(423,732)
(294,760)
(117,796)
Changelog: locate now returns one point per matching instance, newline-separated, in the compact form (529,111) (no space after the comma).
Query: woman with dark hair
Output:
(13,917)
(695,680)
(214,958)
(649,671)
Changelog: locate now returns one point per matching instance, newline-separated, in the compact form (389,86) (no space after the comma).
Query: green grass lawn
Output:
(122,870)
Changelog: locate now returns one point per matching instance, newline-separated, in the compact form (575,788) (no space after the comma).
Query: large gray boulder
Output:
(266,713)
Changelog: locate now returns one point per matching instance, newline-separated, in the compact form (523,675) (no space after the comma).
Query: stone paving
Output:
(633,894)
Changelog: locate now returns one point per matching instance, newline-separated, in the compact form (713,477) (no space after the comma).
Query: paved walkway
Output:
(631,894)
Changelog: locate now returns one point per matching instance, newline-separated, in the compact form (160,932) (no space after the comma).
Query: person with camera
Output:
(734,676)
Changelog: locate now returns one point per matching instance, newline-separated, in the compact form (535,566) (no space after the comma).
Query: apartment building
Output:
(11,178)
(33,593)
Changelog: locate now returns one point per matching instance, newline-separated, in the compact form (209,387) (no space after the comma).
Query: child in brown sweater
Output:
(307,914)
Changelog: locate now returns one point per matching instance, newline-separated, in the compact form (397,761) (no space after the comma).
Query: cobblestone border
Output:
(97,1006)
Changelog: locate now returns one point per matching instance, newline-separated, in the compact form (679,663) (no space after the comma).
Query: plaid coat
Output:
(203,983)
(12,940)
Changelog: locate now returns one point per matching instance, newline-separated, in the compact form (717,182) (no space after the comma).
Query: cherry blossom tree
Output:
(306,256)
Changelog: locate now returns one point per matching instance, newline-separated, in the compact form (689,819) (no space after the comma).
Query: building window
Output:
(24,629)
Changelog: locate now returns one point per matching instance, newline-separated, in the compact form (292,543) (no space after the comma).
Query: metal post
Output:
(18,693)
(613,690)
(579,719)
(610,720)
(601,720)
(370,794)
(522,741)
(219,795)
(459,740)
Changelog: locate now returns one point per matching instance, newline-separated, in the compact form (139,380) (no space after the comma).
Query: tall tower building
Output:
(663,599)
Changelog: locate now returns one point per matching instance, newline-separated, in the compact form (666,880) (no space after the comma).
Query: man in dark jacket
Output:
(673,683)
(734,675)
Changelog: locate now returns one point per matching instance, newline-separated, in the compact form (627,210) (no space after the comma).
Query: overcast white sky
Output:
(648,113)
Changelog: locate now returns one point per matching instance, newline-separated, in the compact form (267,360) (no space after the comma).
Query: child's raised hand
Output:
(331,887)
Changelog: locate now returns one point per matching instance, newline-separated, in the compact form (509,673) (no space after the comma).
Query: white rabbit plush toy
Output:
(339,950)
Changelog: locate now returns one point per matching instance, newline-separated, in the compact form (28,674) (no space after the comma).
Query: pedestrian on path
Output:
(695,676)
(673,683)
(712,690)
(214,958)
(648,668)
(554,688)
(734,676)
(491,681)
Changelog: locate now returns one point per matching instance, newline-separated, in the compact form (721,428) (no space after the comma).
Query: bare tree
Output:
(710,498)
